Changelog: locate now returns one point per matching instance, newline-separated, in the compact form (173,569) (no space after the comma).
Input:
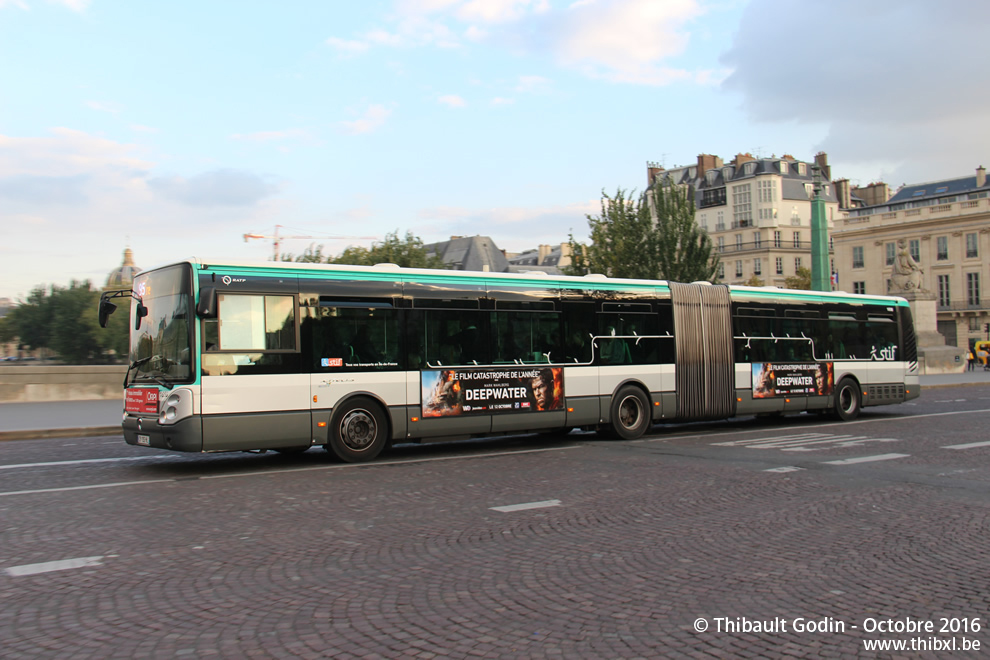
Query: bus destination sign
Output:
(450,392)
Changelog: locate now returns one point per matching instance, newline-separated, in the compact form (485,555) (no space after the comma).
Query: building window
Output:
(739,268)
(757,266)
(721,270)
(768,191)
(742,205)
(720,243)
(974,324)
(971,251)
(776,239)
(891,253)
(757,241)
(720,221)
(944,297)
(797,264)
(859,287)
(703,221)
(942,248)
(914,246)
(713,197)
(858,261)
(779,262)
(973,289)
(797,239)
(739,242)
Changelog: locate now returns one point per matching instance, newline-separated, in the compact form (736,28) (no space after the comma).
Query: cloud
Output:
(498,100)
(74,5)
(374,118)
(884,98)
(452,100)
(271,136)
(67,152)
(499,11)
(224,187)
(38,189)
(100,106)
(532,84)
(350,47)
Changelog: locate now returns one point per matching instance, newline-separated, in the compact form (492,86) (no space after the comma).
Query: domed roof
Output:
(124,275)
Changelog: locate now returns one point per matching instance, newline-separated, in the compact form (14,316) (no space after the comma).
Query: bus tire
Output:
(848,400)
(630,414)
(358,432)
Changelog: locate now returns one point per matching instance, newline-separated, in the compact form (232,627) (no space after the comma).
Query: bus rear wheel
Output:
(848,402)
(630,415)
(358,431)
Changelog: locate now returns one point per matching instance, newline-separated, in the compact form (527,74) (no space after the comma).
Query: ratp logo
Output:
(227,279)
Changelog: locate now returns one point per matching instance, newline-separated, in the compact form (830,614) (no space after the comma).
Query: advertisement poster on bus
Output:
(772,379)
(450,392)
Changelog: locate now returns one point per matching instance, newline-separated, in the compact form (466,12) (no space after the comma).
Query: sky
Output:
(174,128)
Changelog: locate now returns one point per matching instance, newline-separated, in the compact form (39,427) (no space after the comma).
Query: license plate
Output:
(144,440)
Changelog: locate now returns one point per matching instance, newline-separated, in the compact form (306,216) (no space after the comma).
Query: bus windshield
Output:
(160,346)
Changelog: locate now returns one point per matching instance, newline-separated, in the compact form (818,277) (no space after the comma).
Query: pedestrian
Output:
(981,356)
(970,360)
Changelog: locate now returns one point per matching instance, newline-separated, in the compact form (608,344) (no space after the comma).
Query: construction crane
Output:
(278,238)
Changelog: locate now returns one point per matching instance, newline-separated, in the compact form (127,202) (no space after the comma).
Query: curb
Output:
(37,434)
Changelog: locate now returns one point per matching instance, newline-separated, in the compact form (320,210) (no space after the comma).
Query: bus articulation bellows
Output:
(228,356)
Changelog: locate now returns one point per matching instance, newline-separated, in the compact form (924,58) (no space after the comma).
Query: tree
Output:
(653,236)
(684,250)
(754,281)
(800,280)
(623,242)
(407,252)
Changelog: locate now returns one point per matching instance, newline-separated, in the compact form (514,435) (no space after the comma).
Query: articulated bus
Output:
(228,356)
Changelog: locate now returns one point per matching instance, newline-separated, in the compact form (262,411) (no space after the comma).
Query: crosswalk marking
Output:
(867,459)
(804,442)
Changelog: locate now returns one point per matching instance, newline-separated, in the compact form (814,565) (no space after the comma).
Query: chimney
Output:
(843,193)
(652,171)
(981,177)
(543,252)
(821,159)
(708,162)
(742,158)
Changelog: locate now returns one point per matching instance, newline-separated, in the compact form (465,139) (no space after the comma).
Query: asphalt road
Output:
(726,539)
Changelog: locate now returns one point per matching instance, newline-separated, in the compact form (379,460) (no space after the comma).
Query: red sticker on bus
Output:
(141,400)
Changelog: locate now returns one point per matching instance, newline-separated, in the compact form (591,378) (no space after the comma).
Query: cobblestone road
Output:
(624,548)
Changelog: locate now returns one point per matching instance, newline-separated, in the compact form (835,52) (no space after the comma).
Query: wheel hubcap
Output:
(629,412)
(358,430)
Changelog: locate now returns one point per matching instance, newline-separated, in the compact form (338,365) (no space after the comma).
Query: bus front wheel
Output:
(630,413)
(358,432)
(848,402)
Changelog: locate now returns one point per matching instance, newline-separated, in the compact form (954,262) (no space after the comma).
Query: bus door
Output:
(254,390)
(628,349)
(705,372)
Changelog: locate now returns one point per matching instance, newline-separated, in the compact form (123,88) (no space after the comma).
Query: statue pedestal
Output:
(934,357)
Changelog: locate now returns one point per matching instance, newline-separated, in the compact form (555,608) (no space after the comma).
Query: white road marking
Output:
(786,468)
(83,460)
(525,506)
(804,442)
(867,459)
(49,566)
(235,475)
(970,445)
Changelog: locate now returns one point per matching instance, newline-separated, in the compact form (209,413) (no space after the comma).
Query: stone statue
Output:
(907,271)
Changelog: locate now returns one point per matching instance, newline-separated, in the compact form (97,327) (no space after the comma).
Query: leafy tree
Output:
(754,281)
(800,280)
(653,236)
(685,252)
(407,252)
(623,241)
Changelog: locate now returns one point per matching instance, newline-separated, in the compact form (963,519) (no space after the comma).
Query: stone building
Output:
(945,226)
(756,210)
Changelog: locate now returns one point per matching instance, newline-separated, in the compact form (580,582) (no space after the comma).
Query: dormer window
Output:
(802,169)
(710,177)
(726,173)
(783,167)
(750,168)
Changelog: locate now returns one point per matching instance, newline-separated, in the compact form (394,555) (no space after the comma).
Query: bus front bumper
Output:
(186,435)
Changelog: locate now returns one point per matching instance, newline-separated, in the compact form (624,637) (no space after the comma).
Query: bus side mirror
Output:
(207,307)
(106,309)
(139,313)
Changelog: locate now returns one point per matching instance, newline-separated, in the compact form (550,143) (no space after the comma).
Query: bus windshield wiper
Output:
(161,378)
(134,365)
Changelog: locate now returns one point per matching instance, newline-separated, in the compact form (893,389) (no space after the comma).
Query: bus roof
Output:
(529,278)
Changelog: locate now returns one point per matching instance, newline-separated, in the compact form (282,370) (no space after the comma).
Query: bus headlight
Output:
(177,406)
